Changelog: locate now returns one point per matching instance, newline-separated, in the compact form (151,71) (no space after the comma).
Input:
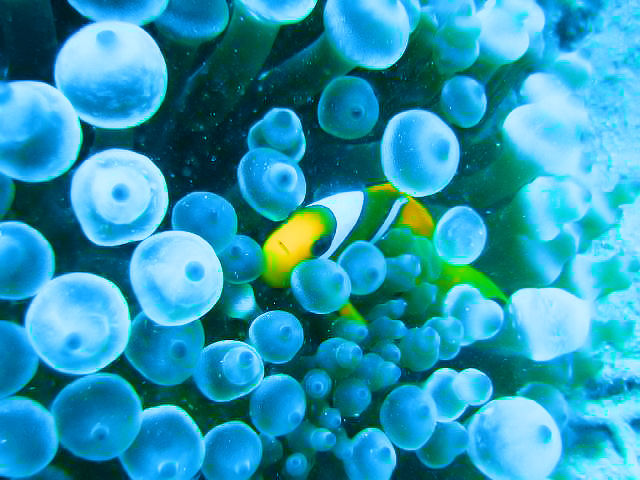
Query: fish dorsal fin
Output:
(346,207)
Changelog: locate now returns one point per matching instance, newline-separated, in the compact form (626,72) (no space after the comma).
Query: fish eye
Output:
(321,245)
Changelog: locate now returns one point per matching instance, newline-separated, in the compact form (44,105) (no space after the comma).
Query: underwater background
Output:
(590,389)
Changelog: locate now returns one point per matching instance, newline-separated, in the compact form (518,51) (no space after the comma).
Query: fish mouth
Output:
(284,247)
(280,261)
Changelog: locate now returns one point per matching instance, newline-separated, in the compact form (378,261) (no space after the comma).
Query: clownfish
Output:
(323,229)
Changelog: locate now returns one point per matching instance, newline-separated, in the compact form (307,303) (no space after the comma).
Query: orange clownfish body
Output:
(326,227)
